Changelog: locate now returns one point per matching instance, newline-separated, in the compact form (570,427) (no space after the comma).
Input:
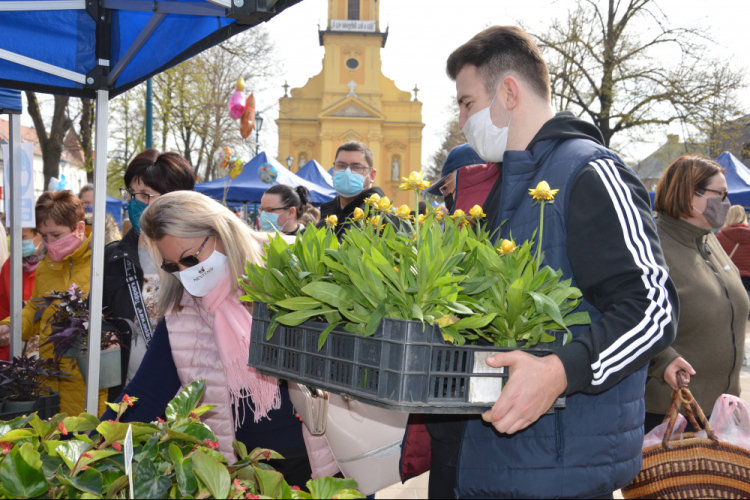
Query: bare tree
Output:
(603,65)
(452,137)
(51,143)
(127,131)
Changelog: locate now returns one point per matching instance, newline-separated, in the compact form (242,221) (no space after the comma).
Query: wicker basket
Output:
(691,467)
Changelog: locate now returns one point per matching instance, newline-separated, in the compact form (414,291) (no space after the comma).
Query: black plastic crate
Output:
(46,407)
(402,367)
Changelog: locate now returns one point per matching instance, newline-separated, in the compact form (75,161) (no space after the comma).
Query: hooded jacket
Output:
(736,239)
(59,276)
(599,232)
(333,207)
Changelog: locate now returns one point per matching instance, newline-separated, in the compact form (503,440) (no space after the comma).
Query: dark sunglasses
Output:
(189,261)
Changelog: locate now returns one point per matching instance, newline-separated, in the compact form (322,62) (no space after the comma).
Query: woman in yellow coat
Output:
(60,220)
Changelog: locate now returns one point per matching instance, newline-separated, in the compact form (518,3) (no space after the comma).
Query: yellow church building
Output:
(351,100)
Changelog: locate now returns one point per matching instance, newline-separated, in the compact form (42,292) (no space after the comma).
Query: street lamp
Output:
(289,161)
(258,126)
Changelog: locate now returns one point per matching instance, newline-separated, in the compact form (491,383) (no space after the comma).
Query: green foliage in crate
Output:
(174,459)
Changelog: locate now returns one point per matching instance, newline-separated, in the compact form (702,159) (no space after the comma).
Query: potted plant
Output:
(24,378)
(70,324)
(176,458)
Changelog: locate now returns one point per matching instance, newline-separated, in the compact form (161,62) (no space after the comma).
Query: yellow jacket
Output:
(58,276)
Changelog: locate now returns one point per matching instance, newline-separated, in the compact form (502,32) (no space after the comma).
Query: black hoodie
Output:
(333,207)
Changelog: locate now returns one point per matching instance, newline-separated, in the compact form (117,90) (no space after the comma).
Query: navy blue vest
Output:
(593,446)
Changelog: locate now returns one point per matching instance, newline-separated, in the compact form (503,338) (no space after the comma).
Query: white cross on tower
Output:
(352,85)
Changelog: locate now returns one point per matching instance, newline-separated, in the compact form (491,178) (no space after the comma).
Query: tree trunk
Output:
(85,136)
(51,144)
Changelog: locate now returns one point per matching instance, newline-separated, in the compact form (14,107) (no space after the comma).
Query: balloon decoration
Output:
(239,107)
(268,173)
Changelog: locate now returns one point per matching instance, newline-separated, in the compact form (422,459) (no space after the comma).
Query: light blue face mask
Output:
(348,184)
(269,222)
(27,248)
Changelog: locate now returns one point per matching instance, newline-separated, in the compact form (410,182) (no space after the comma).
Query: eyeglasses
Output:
(340,166)
(445,185)
(270,210)
(127,195)
(189,261)
(723,194)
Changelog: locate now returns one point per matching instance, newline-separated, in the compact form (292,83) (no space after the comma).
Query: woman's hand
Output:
(670,374)
(4,334)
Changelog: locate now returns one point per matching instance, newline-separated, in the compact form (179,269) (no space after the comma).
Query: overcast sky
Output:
(424,32)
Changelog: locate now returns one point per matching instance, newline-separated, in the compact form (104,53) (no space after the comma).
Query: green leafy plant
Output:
(176,458)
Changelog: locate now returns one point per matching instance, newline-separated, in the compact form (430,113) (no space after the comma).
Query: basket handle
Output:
(680,397)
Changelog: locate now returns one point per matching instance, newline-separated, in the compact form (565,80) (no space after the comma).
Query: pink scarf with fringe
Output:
(232,322)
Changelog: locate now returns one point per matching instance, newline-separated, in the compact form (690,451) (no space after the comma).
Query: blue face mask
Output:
(348,184)
(27,248)
(135,210)
(269,222)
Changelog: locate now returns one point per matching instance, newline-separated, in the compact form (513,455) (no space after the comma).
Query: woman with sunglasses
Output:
(283,209)
(691,200)
(131,279)
(205,334)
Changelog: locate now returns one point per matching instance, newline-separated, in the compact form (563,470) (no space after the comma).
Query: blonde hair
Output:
(736,215)
(187,214)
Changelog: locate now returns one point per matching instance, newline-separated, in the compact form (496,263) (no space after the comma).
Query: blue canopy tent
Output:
(114,207)
(99,49)
(738,179)
(315,173)
(249,188)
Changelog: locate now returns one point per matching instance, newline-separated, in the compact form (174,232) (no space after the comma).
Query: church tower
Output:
(351,100)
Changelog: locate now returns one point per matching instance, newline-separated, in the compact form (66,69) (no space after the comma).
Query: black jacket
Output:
(116,298)
(333,207)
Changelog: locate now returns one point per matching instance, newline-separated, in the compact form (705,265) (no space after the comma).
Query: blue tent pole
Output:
(149,115)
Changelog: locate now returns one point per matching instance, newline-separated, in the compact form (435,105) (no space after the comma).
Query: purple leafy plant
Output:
(25,377)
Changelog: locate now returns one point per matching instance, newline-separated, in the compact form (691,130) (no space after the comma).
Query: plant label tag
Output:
(485,389)
(129,458)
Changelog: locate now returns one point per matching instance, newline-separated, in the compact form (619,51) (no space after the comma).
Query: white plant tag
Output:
(129,459)
(485,389)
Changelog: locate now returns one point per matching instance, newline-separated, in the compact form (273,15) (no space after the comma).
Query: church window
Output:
(354,10)
(352,63)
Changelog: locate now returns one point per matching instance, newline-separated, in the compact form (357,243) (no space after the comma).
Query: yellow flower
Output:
(477,212)
(359,214)
(458,214)
(403,212)
(422,219)
(395,268)
(439,216)
(415,182)
(332,221)
(543,192)
(237,170)
(507,247)
(373,200)
(384,205)
(375,221)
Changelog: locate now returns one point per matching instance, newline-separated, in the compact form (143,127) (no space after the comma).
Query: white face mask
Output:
(487,140)
(202,278)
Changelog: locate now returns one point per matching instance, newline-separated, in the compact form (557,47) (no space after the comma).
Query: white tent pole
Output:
(16,278)
(97,252)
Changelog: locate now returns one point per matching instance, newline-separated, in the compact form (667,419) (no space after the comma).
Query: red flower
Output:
(84,467)
(267,454)
(160,420)
(86,455)
(295,488)
(250,495)
(62,429)
(126,399)
(6,447)
(238,486)
(193,415)
(117,446)
(214,445)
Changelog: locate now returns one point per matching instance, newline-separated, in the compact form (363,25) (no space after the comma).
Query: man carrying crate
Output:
(600,233)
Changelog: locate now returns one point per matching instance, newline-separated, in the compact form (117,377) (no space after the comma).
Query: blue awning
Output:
(10,101)
(315,173)
(738,179)
(75,47)
(248,186)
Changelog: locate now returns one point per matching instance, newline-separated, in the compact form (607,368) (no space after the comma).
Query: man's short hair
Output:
(357,146)
(499,50)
